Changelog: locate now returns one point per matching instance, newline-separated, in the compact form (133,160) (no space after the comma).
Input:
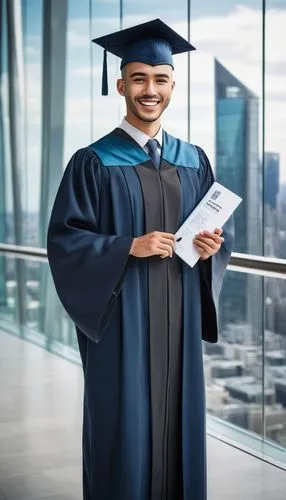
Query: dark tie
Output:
(154,154)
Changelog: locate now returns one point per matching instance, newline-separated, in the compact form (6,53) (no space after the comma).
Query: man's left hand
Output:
(208,243)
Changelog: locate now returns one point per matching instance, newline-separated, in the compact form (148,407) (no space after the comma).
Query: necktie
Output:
(154,154)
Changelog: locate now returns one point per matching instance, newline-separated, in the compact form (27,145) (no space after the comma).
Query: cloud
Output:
(31,51)
(78,30)
(86,71)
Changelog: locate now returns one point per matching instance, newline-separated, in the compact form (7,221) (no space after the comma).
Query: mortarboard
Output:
(152,43)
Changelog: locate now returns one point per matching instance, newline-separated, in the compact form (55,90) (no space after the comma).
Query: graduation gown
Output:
(139,321)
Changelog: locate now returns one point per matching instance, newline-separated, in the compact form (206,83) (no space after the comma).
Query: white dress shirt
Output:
(140,137)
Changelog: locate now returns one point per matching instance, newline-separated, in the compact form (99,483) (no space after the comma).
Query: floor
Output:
(40,435)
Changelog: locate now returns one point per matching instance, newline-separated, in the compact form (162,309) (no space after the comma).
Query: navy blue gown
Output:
(139,322)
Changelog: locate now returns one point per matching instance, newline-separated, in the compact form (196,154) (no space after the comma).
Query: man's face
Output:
(147,89)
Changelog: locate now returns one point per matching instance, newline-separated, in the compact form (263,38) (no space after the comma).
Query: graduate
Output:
(140,312)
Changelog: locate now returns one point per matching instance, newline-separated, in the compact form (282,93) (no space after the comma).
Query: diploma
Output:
(211,213)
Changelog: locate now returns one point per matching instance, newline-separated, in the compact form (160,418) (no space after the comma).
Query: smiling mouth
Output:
(150,103)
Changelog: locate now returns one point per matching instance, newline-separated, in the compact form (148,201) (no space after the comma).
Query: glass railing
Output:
(29,306)
(245,372)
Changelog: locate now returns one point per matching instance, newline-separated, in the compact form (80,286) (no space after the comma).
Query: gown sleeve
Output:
(87,267)
(213,269)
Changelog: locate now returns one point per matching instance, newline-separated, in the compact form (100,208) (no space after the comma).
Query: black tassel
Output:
(104,89)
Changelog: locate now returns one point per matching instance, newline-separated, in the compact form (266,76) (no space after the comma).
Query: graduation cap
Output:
(152,43)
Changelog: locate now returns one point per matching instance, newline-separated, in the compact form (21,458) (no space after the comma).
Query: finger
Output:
(200,245)
(213,236)
(208,242)
(209,234)
(167,241)
(218,231)
(207,247)
(164,255)
(165,248)
(169,236)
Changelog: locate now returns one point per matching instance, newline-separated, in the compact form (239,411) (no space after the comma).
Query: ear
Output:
(121,86)
(173,84)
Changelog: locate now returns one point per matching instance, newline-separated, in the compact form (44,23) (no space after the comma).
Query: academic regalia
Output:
(139,321)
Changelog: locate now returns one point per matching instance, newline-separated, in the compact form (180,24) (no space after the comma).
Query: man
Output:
(140,312)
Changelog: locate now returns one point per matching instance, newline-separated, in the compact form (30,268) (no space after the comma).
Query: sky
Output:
(226,30)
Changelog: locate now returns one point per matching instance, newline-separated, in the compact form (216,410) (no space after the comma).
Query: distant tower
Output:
(272,167)
(271,190)
(238,168)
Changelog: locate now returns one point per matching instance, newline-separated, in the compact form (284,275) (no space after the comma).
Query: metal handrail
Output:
(254,264)
(22,252)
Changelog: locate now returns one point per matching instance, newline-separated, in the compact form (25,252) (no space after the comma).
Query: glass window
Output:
(226,105)
(78,105)
(33,72)
(234,365)
(275,130)
(275,360)
(105,109)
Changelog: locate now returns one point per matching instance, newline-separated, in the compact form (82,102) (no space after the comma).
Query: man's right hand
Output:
(155,243)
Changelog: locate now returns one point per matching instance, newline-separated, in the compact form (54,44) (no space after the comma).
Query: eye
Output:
(138,80)
(162,80)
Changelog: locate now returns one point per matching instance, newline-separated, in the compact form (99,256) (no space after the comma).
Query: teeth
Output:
(149,103)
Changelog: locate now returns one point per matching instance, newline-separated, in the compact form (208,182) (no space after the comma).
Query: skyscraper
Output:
(271,190)
(272,169)
(238,168)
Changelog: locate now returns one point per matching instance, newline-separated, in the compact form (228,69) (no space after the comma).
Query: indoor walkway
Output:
(40,435)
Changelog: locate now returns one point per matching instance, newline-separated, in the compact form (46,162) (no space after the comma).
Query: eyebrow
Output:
(161,75)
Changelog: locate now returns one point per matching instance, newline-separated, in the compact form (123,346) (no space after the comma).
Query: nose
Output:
(150,88)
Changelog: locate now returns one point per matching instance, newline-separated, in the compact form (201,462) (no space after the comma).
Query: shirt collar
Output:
(138,135)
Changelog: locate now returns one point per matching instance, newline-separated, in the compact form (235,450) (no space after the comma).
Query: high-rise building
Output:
(271,190)
(271,182)
(238,168)
(282,208)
